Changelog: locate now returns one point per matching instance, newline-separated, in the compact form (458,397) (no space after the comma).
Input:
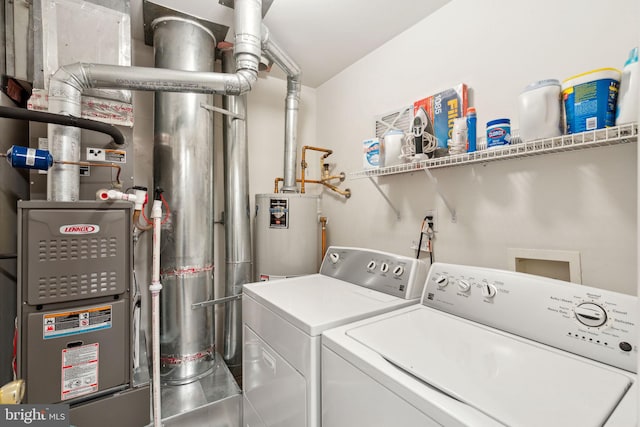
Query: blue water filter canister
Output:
(471,130)
(29,158)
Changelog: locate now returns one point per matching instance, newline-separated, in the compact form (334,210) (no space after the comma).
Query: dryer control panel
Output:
(392,274)
(587,321)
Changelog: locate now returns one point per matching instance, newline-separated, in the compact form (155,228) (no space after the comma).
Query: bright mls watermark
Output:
(34,415)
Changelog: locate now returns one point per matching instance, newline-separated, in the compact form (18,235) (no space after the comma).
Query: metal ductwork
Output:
(237,224)
(68,83)
(183,168)
(275,53)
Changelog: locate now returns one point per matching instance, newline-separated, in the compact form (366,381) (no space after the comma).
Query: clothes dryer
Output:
(283,321)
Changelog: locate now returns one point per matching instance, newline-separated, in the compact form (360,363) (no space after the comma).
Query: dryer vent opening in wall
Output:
(561,265)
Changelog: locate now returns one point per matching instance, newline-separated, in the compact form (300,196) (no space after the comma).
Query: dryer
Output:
(283,321)
(487,348)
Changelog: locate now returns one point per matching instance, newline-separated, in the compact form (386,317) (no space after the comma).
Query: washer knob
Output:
(442,281)
(590,314)
(334,257)
(488,290)
(371,266)
(463,285)
(398,271)
(384,267)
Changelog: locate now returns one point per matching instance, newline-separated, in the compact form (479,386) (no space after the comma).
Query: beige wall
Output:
(578,201)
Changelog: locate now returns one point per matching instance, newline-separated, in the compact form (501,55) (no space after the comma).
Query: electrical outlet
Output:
(434,216)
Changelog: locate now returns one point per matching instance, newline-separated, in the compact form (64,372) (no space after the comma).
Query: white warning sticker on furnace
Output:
(66,323)
(79,371)
(106,155)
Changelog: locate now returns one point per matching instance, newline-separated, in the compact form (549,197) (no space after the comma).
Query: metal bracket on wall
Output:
(222,111)
(385,197)
(444,199)
(215,301)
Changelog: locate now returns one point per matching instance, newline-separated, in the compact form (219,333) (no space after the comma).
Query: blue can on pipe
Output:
(29,158)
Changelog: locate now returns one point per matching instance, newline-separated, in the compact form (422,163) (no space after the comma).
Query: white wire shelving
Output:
(616,135)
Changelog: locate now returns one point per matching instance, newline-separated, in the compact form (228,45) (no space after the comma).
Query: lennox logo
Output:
(79,229)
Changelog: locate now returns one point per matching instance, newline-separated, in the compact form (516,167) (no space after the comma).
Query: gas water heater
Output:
(287,235)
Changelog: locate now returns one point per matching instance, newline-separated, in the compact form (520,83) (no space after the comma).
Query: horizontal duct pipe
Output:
(68,83)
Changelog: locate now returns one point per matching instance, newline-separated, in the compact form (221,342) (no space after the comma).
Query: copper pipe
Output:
(323,221)
(304,162)
(136,223)
(346,193)
(98,165)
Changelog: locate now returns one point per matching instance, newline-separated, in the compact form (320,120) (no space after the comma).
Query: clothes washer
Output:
(487,348)
(283,321)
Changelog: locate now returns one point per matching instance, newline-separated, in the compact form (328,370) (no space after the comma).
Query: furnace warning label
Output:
(106,155)
(79,371)
(278,213)
(66,323)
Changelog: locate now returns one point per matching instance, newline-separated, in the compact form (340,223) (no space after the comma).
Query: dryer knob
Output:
(590,314)
(398,271)
(488,290)
(463,285)
(334,257)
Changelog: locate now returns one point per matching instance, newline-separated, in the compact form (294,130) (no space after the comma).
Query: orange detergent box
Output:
(441,109)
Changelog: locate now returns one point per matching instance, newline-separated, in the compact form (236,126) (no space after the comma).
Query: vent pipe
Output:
(68,83)
(237,224)
(275,53)
(183,168)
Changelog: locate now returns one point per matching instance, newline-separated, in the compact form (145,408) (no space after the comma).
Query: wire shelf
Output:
(622,134)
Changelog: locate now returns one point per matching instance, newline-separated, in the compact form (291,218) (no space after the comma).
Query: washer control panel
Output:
(583,320)
(392,274)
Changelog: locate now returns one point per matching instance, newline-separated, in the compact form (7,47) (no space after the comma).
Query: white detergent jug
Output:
(627,109)
(540,110)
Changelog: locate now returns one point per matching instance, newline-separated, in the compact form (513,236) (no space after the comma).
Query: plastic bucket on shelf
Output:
(590,99)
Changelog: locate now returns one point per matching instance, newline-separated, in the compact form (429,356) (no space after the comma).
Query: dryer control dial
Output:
(590,314)
(334,257)
(464,285)
(488,290)
(398,271)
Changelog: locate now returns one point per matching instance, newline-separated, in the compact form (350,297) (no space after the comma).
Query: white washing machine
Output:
(283,321)
(487,348)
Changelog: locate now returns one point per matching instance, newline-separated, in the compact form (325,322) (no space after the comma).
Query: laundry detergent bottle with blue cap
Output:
(627,109)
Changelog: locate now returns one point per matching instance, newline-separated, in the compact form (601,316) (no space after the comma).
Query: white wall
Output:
(581,201)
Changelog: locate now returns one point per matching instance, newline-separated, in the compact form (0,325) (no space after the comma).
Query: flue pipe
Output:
(183,168)
(274,53)
(68,83)
(237,224)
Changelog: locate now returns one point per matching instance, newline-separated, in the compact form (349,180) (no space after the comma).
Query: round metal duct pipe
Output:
(183,168)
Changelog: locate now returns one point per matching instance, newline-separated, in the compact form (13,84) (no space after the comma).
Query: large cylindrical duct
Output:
(183,168)
(237,223)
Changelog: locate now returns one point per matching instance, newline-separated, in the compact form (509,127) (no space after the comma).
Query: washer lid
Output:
(316,302)
(516,382)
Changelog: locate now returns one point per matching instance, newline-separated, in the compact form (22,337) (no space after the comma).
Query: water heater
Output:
(287,235)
